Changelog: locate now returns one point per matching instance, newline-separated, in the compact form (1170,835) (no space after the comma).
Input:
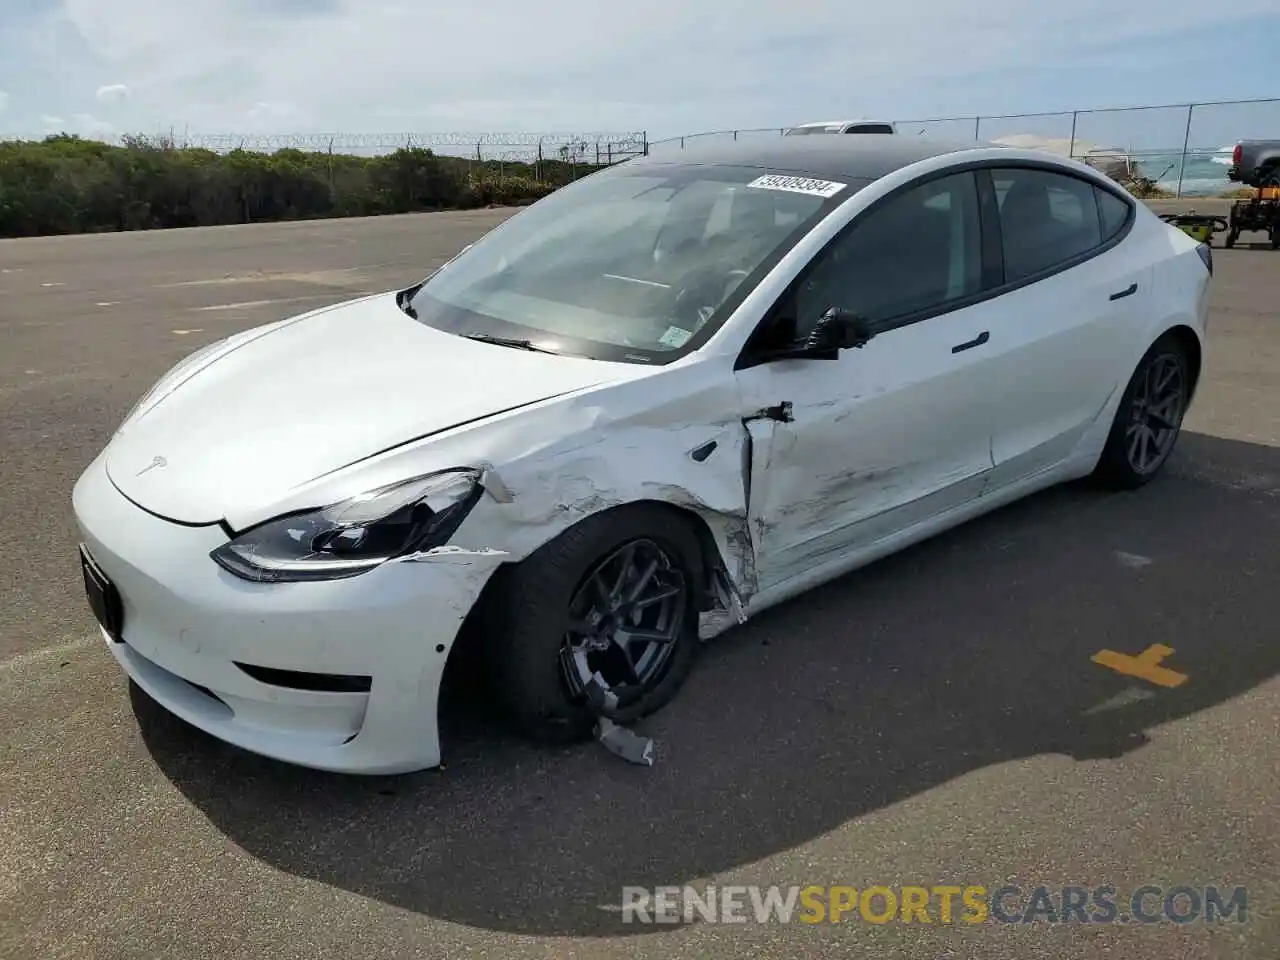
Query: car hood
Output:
(310,396)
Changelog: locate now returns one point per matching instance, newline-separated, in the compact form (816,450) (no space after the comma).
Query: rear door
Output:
(1063,329)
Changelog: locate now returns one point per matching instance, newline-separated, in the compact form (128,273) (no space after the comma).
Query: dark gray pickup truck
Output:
(1255,163)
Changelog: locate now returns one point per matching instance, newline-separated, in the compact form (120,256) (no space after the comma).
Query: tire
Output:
(1117,467)
(531,613)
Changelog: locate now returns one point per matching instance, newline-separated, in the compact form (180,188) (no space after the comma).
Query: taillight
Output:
(1206,256)
(1236,154)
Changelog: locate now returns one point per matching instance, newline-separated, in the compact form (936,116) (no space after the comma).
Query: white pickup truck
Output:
(842,126)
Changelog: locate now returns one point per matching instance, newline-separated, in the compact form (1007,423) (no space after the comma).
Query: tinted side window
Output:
(1114,213)
(1046,219)
(915,252)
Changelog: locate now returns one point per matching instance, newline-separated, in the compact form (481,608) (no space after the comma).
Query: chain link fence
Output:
(1175,149)
(1169,150)
(593,148)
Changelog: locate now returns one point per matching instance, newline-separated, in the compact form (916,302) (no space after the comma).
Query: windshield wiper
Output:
(404,300)
(507,342)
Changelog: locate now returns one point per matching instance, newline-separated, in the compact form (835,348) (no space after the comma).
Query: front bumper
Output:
(189,624)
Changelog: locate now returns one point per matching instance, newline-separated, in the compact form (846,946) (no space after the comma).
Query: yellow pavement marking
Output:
(1145,666)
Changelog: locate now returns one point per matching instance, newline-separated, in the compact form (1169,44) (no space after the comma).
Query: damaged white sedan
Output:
(640,411)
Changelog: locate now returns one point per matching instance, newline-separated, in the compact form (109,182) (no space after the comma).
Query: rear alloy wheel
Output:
(611,596)
(1149,418)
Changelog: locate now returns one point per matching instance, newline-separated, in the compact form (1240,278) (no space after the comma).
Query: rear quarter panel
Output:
(1180,281)
(1178,297)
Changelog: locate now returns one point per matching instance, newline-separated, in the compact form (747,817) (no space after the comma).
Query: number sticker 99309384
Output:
(814,188)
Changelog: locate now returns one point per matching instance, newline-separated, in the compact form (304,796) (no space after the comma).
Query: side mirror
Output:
(838,330)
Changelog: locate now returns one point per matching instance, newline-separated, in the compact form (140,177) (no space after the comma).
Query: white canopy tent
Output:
(1113,161)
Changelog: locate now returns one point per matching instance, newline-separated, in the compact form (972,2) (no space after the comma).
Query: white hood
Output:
(318,394)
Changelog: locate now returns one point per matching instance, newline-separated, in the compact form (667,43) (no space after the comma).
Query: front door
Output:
(848,451)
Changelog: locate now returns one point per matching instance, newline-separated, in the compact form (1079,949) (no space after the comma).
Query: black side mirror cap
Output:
(836,330)
(839,330)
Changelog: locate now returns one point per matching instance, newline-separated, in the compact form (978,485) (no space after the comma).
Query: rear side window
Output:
(1046,219)
(1113,211)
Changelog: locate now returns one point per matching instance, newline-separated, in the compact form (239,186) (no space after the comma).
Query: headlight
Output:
(356,535)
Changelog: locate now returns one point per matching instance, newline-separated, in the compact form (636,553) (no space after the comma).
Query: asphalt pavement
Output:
(938,718)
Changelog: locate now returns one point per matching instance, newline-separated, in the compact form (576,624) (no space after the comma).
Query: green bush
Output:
(504,189)
(64,184)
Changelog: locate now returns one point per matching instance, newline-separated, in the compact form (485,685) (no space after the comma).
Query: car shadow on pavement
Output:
(971,650)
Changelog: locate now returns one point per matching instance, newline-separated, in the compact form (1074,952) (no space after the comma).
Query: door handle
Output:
(1128,291)
(977,341)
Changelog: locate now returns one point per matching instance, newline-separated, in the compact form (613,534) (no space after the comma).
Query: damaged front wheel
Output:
(610,603)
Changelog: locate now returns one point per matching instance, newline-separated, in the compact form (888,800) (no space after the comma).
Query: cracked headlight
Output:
(356,535)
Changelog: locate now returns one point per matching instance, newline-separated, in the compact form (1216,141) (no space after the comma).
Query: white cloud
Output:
(112,93)
(668,66)
(53,124)
(4,101)
(89,125)
(268,116)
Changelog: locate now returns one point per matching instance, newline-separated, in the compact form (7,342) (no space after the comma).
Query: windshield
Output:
(637,263)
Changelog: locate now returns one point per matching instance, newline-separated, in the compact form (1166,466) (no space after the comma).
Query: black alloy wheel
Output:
(624,621)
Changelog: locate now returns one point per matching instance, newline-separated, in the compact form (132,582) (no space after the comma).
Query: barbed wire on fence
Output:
(516,143)
(390,141)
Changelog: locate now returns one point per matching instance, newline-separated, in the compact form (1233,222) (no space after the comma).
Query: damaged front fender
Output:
(696,468)
(549,466)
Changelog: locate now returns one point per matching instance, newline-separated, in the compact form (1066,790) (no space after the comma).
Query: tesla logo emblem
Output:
(155,462)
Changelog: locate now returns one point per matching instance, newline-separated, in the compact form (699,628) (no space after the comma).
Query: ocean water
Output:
(1204,175)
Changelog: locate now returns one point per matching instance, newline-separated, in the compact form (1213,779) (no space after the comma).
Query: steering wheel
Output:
(738,275)
(698,299)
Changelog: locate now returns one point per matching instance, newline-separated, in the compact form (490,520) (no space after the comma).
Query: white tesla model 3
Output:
(644,409)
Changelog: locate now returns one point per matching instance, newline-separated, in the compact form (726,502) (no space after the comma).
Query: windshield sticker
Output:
(814,188)
(675,337)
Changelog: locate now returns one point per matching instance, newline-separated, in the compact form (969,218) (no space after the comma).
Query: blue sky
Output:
(667,67)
